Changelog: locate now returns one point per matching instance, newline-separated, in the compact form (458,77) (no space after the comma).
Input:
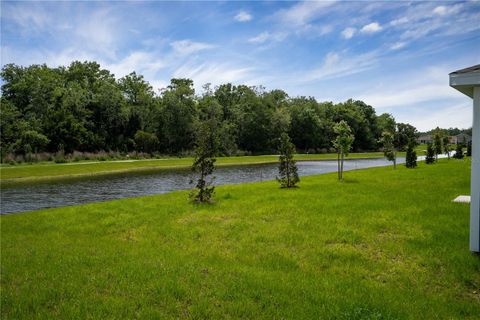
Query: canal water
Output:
(61,193)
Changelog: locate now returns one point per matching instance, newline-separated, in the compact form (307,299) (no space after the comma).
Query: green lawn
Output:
(48,171)
(384,244)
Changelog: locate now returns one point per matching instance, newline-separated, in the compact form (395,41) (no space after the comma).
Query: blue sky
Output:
(394,55)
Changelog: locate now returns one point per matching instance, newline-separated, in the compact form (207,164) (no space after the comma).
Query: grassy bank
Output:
(383,244)
(49,171)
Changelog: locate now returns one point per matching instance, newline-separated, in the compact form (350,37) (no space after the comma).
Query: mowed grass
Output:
(49,171)
(384,244)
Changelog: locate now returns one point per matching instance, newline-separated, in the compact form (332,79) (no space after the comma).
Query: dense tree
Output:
(82,107)
(404,134)
(343,143)
(306,125)
(10,120)
(178,116)
(145,141)
(385,122)
(287,170)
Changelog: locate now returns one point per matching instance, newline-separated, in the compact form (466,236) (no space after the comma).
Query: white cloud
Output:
(302,13)
(457,115)
(440,10)
(424,85)
(145,63)
(34,19)
(324,30)
(52,58)
(267,36)
(262,37)
(214,73)
(243,16)
(157,84)
(446,10)
(347,33)
(398,45)
(335,66)
(399,21)
(186,47)
(422,98)
(409,95)
(371,28)
(429,18)
(99,33)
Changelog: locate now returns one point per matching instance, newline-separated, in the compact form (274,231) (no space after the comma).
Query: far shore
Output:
(48,171)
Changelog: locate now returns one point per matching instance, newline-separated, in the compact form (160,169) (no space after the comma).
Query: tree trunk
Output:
(341,167)
(394,160)
(288,175)
(338,164)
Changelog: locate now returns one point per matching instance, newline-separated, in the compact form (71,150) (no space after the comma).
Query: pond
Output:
(61,193)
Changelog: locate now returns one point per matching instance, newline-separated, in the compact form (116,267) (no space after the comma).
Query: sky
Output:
(394,55)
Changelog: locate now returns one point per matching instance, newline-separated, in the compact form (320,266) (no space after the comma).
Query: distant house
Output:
(460,138)
(425,139)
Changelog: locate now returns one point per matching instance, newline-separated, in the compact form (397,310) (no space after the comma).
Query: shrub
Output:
(469,149)
(458,152)
(60,160)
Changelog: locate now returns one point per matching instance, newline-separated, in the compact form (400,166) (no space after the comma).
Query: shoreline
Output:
(227,161)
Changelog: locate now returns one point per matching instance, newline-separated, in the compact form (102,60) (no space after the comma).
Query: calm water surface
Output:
(72,192)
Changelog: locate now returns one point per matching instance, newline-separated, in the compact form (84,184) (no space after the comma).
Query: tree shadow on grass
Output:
(350,180)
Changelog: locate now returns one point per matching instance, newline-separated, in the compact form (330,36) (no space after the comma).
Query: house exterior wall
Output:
(475,175)
(425,139)
(462,138)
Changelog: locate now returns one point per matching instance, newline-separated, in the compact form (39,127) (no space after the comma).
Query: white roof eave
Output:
(465,82)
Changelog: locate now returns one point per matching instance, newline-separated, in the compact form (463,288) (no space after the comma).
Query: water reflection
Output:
(93,189)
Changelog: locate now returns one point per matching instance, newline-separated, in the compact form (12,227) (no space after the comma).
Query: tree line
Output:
(441,144)
(84,108)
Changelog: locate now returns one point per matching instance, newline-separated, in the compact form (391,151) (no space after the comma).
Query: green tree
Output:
(446,146)
(210,109)
(469,149)
(177,116)
(9,126)
(404,134)
(458,152)
(146,142)
(306,126)
(411,157)
(430,157)
(206,148)
(343,142)
(389,150)
(139,97)
(437,144)
(287,170)
(385,122)
(30,141)
(83,107)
